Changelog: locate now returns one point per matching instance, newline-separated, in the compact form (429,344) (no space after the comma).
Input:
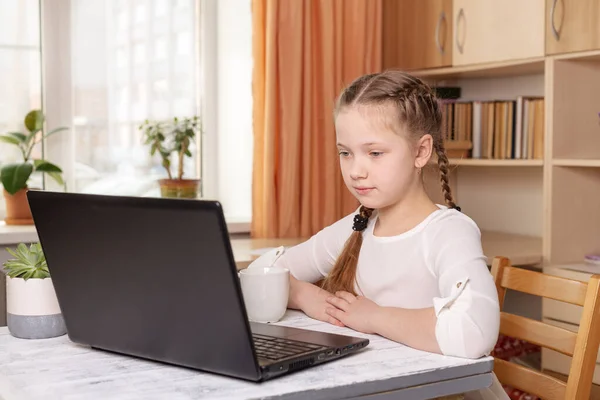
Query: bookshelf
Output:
(505,196)
(554,198)
(551,197)
(499,51)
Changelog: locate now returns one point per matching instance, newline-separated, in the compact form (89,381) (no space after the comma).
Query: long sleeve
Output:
(468,315)
(313,259)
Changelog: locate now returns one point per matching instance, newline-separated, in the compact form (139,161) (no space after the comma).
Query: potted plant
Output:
(173,137)
(15,176)
(31,304)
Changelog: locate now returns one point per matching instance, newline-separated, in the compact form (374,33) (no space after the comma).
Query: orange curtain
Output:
(305,52)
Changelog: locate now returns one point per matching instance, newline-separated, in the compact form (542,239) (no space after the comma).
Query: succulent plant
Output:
(27,263)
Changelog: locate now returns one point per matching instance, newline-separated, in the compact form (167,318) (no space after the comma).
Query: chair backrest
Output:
(582,346)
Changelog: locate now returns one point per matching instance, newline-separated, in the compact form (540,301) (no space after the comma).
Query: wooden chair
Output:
(582,346)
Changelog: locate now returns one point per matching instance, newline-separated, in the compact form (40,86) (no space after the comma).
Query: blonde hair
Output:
(417,110)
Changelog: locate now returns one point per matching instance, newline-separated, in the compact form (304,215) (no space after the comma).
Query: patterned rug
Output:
(516,350)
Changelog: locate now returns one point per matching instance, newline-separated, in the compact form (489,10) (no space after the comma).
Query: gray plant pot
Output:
(32,309)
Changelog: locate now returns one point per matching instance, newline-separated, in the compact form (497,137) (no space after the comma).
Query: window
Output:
(20,72)
(121,74)
(111,64)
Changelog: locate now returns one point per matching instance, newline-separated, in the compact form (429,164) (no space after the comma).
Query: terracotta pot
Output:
(32,309)
(17,208)
(179,188)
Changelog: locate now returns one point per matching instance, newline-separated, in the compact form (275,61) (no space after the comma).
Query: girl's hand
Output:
(312,300)
(355,312)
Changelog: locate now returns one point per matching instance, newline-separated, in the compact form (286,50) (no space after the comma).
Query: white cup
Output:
(265,291)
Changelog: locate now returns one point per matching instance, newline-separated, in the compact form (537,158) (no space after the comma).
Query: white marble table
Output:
(59,369)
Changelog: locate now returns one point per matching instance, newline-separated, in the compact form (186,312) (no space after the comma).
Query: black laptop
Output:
(155,278)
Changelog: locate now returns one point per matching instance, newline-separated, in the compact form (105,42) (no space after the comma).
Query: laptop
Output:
(155,278)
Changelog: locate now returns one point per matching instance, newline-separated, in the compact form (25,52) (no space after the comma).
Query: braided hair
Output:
(419,111)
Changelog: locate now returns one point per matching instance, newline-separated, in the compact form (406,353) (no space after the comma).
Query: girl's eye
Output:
(343,153)
(376,153)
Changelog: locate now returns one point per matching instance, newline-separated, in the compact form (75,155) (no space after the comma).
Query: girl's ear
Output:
(424,149)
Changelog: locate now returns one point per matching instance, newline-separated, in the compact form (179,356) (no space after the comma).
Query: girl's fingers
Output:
(338,302)
(349,297)
(337,314)
(333,321)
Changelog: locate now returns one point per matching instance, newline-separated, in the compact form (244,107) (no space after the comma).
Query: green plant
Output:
(28,262)
(14,176)
(167,137)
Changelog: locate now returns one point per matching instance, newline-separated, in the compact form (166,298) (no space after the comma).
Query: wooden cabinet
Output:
(417,34)
(572,25)
(493,31)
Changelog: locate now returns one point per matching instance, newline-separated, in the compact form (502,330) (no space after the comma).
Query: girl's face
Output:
(379,166)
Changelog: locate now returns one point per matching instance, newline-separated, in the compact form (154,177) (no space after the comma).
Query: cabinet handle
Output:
(441,20)
(554,31)
(461,15)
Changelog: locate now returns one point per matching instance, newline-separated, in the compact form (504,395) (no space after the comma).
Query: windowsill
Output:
(14,234)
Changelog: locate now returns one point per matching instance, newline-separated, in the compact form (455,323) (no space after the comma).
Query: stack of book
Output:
(499,129)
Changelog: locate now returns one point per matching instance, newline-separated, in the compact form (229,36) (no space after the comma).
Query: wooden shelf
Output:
(480,162)
(522,250)
(528,66)
(578,270)
(593,55)
(564,162)
(500,69)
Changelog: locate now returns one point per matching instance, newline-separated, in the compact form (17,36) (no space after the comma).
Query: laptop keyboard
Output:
(273,348)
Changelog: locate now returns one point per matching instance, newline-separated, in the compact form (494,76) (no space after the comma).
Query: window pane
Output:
(20,76)
(19,23)
(132,60)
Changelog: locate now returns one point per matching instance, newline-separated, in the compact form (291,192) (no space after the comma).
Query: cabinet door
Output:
(497,30)
(572,25)
(417,34)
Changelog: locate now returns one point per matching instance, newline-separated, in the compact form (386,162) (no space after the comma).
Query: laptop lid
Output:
(149,277)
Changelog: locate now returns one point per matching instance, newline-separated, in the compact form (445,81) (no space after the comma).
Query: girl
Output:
(402,266)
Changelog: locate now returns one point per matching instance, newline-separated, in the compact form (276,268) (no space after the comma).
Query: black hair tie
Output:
(360,223)
(457,208)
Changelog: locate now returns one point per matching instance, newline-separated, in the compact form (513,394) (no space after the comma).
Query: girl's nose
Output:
(358,171)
